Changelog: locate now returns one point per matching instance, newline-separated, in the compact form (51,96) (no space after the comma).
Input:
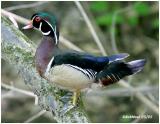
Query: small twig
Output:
(16,17)
(122,92)
(69,44)
(18,90)
(6,95)
(13,21)
(141,97)
(28,93)
(141,114)
(113,37)
(93,32)
(146,101)
(113,26)
(152,97)
(24,6)
(35,116)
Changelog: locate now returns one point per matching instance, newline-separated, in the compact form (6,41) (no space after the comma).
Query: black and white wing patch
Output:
(91,74)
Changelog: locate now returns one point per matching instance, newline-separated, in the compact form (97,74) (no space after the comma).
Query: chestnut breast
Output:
(44,53)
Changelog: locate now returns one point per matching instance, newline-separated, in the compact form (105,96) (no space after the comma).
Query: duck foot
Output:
(67,107)
(66,98)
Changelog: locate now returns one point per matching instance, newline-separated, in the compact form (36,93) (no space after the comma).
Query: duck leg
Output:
(75,97)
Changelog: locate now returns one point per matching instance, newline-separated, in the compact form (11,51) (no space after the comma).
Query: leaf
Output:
(99,6)
(142,8)
(104,20)
(107,19)
(119,19)
(155,23)
(133,20)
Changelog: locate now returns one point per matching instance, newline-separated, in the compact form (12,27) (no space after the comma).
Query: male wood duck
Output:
(73,70)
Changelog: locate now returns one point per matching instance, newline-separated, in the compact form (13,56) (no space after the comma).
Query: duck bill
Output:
(29,26)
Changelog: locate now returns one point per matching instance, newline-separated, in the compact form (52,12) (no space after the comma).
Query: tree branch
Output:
(24,6)
(113,26)
(124,92)
(19,51)
(35,116)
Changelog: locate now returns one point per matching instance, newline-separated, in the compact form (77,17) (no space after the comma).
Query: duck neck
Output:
(44,54)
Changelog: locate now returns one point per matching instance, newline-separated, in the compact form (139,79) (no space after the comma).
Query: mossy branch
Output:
(19,51)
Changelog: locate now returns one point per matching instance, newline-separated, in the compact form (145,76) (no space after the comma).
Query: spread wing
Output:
(86,61)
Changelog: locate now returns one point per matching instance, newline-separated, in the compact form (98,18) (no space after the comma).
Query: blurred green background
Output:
(135,28)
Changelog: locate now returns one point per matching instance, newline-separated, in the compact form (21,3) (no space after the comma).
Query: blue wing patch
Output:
(96,59)
(106,59)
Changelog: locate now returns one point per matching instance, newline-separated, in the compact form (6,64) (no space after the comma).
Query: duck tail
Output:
(115,71)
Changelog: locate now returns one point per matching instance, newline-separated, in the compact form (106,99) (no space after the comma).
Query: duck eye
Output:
(37,19)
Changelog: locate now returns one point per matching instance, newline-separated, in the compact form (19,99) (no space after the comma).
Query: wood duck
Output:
(73,70)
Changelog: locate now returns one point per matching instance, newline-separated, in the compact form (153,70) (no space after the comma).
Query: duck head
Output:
(46,23)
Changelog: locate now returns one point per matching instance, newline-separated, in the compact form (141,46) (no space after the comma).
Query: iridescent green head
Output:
(46,23)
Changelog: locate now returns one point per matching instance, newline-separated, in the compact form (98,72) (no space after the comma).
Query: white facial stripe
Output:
(40,26)
(33,17)
(55,35)
(46,33)
(54,30)
(49,65)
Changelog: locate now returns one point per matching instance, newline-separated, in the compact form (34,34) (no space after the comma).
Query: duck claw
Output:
(67,108)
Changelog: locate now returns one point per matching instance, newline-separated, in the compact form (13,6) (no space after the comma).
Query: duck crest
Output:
(44,54)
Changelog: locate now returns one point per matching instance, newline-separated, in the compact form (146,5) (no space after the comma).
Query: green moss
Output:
(15,51)
(5,21)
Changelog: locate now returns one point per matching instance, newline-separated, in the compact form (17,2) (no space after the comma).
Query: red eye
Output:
(37,19)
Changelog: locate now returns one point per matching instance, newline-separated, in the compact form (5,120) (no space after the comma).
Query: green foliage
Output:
(133,21)
(104,20)
(107,19)
(134,17)
(142,8)
(99,6)
(155,23)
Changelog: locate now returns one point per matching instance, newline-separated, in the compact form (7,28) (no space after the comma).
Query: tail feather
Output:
(115,71)
(136,65)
